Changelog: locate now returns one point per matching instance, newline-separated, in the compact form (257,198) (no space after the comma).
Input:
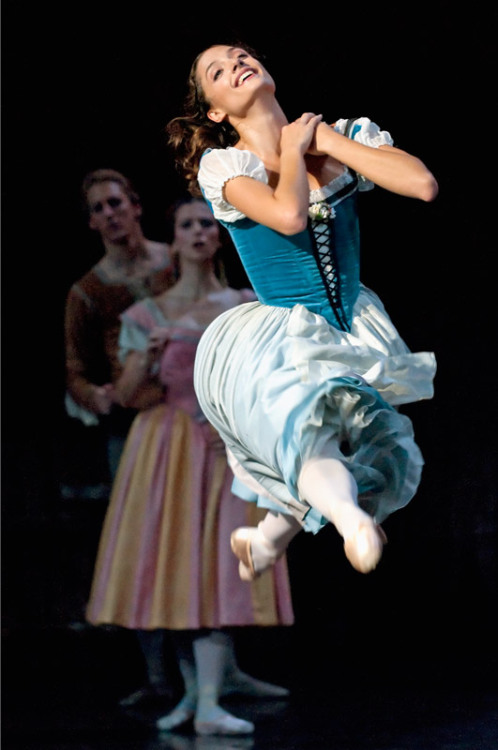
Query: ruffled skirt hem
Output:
(282,385)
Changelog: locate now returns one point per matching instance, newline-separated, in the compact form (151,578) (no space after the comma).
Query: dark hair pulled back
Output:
(192,133)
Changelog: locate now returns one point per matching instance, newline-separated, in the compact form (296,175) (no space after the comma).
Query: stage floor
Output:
(61,691)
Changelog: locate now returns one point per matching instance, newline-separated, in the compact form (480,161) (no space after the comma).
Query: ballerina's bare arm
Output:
(285,207)
(386,166)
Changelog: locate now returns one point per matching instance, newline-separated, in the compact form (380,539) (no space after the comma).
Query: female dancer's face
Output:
(230,79)
(197,234)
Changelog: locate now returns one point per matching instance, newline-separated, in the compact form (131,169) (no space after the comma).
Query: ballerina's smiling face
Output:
(230,77)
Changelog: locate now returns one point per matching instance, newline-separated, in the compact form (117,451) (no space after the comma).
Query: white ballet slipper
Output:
(176,718)
(226,724)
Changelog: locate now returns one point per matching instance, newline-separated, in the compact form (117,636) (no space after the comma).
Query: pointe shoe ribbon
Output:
(364,548)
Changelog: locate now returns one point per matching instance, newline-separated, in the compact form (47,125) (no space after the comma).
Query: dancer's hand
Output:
(315,148)
(103,397)
(158,338)
(300,133)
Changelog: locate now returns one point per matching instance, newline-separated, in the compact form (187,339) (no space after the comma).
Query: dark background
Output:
(92,85)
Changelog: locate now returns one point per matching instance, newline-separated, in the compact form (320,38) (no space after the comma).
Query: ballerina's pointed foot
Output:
(364,548)
(225,724)
(245,542)
(240,542)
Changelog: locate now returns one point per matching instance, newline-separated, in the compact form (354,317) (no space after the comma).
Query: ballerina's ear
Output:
(216,115)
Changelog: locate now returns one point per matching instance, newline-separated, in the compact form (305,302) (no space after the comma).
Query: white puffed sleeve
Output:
(368,133)
(132,338)
(220,165)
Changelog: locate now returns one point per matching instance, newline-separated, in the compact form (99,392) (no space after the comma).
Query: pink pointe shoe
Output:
(364,548)
(240,541)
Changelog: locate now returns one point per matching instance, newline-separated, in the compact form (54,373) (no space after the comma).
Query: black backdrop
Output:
(93,85)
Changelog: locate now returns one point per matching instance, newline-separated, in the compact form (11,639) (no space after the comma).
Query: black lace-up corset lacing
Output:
(323,236)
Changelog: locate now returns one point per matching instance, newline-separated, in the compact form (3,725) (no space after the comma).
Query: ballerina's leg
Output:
(329,487)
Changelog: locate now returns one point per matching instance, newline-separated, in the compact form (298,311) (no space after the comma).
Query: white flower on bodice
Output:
(321,211)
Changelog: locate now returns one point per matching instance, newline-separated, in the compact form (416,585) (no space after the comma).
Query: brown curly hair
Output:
(192,133)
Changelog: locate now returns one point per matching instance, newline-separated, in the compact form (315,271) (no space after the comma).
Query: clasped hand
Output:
(300,134)
(103,398)
(158,339)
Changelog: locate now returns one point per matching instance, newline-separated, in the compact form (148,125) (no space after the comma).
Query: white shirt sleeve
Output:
(369,134)
(220,165)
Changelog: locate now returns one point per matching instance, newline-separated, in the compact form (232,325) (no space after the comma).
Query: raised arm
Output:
(386,166)
(283,207)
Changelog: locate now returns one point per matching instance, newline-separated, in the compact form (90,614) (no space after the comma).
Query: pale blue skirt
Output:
(282,385)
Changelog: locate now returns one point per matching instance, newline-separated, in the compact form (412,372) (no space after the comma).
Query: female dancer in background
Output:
(164,559)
